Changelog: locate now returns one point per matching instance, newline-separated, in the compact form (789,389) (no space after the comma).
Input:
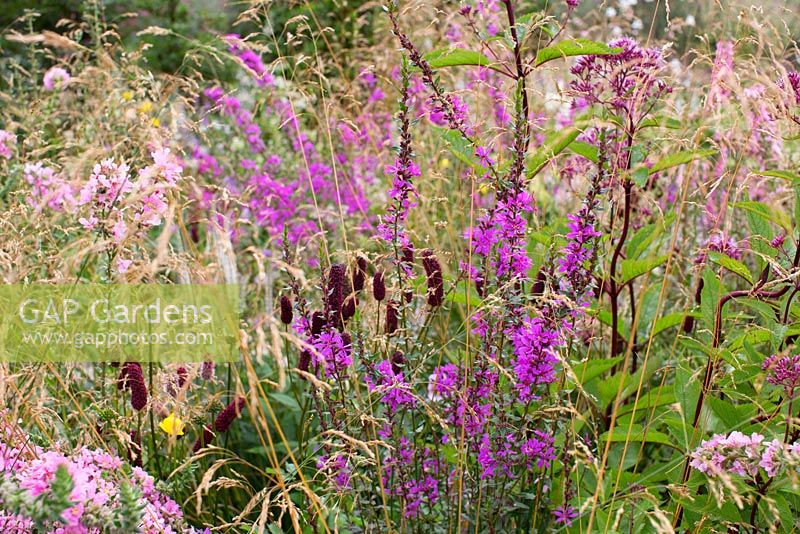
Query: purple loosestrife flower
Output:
(337,467)
(332,352)
(564,515)
(535,355)
(392,226)
(250,59)
(395,392)
(722,74)
(538,450)
(576,279)
(484,156)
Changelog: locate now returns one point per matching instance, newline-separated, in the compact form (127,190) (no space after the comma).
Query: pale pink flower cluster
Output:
(95,475)
(743,455)
(7,142)
(56,78)
(48,188)
(122,206)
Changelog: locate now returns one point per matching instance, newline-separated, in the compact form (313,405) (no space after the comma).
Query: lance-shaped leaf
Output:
(734,266)
(574,47)
(553,146)
(456,57)
(679,158)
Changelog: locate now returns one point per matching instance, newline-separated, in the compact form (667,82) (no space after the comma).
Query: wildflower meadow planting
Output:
(400,266)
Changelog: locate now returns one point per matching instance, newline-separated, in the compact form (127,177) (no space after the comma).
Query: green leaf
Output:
(456,57)
(646,235)
(552,147)
(574,47)
(460,147)
(630,269)
(687,391)
(709,297)
(771,213)
(668,321)
(735,266)
(586,150)
(638,434)
(460,293)
(640,176)
(784,175)
(679,158)
(662,122)
(591,369)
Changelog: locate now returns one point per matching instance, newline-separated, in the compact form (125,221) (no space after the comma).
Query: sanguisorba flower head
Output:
(433,272)
(335,294)
(378,286)
(132,378)
(286,309)
(222,423)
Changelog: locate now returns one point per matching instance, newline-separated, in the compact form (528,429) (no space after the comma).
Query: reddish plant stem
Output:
(711,364)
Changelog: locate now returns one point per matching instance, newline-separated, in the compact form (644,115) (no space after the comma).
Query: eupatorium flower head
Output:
(626,83)
(783,371)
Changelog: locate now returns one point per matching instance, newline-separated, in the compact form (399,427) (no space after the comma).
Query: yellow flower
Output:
(444,163)
(484,189)
(145,107)
(172,425)
(156,122)
(127,95)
